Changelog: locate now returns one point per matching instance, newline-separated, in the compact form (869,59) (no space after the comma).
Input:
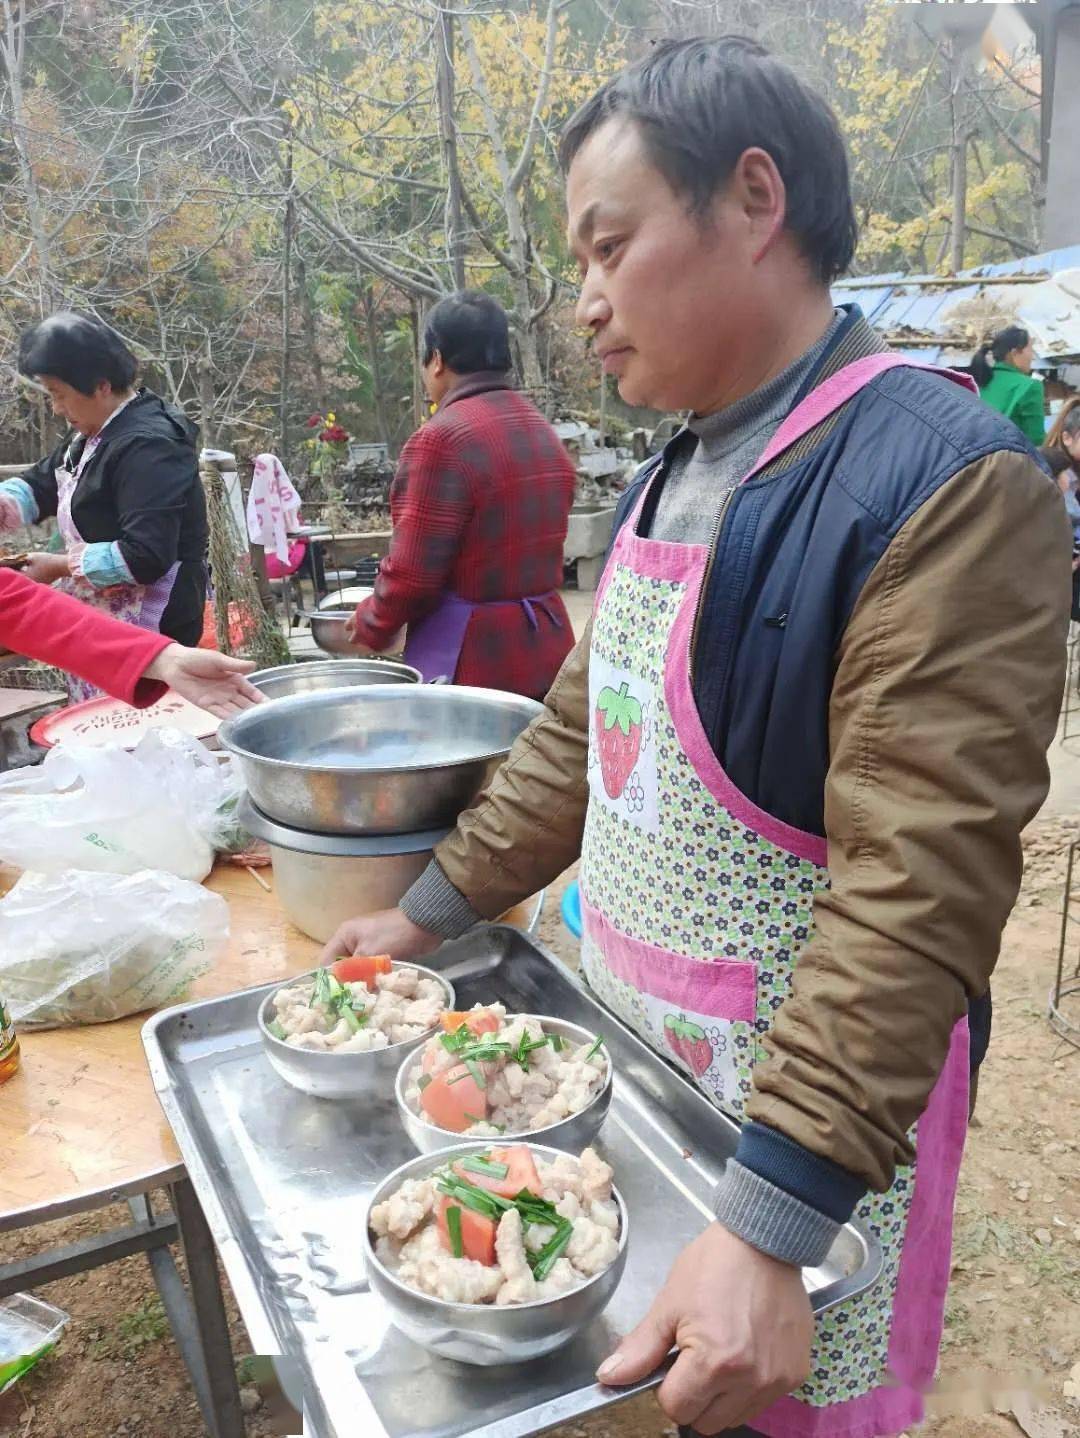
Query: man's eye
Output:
(605,249)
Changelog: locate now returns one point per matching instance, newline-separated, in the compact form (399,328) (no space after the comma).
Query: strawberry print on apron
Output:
(696,905)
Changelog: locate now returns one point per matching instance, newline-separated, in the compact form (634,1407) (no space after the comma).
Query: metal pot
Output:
(572,1134)
(483,1333)
(286,679)
(323,879)
(379,759)
(322,1074)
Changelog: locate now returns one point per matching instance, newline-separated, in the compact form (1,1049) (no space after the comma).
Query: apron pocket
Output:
(697,1013)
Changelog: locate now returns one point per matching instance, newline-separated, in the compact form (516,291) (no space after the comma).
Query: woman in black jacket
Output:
(123,484)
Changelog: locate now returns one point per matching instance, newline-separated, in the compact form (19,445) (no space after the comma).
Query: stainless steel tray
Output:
(284,1181)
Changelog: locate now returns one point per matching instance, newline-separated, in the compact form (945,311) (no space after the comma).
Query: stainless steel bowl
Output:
(572,1134)
(340,1076)
(323,879)
(319,674)
(481,1333)
(380,759)
(329,619)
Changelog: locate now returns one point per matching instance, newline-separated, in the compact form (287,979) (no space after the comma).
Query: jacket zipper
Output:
(714,543)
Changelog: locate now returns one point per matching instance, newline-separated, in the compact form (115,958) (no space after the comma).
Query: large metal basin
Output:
(387,759)
(319,674)
(320,880)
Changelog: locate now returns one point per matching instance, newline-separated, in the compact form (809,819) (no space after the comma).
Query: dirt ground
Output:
(1013,1323)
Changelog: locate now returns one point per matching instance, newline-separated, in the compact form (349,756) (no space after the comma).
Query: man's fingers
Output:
(694,1383)
(735,1409)
(340,943)
(642,1350)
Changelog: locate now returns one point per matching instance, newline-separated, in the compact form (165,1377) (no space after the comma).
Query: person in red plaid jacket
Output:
(479,506)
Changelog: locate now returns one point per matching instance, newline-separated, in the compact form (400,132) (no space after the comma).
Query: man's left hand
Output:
(742,1324)
(46,568)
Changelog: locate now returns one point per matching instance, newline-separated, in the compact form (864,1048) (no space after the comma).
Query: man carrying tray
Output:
(796,747)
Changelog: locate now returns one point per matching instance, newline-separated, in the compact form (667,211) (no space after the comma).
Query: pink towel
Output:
(273,507)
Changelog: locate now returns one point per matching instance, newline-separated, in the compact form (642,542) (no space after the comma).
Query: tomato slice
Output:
(521,1172)
(361,968)
(453,1099)
(477,1232)
(478,1021)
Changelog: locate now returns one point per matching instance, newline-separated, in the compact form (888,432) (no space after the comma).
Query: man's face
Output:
(84,412)
(667,294)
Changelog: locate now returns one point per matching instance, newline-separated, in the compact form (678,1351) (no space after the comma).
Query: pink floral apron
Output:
(140,604)
(696,905)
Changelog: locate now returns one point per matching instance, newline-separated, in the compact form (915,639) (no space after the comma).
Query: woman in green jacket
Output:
(1007,384)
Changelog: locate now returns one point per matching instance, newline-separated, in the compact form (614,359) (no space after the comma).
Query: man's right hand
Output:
(386,932)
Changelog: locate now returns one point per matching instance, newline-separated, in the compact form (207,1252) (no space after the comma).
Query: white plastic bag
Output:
(86,948)
(157,806)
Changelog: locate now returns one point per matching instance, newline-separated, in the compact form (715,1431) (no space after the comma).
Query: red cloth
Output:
(479,507)
(43,624)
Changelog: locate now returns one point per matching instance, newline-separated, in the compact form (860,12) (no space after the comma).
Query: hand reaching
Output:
(210,680)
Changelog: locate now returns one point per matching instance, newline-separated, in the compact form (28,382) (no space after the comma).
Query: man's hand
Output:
(46,568)
(742,1324)
(387,932)
(210,680)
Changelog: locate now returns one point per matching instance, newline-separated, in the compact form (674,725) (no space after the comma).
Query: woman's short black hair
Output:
(470,331)
(1012,337)
(78,349)
(699,104)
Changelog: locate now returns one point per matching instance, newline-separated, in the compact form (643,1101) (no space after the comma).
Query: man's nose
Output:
(592,310)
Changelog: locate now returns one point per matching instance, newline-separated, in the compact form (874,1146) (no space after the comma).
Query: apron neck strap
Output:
(836,391)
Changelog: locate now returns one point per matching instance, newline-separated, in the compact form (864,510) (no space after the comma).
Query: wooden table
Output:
(80,1127)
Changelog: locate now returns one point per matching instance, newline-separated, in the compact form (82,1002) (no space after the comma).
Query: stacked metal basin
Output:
(352,788)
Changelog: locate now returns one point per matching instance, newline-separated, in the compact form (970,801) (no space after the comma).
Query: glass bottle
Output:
(10,1057)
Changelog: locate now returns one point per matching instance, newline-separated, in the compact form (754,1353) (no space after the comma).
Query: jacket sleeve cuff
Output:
(815,1181)
(772,1221)
(435,904)
(103,566)
(18,504)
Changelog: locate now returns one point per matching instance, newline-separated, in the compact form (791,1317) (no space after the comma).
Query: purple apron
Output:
(434,643)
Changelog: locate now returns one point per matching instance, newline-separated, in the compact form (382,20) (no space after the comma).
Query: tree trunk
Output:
(417,389)
(371,333)
(455,232)
(959,159)
(311,340)
(12,53)
(206,399)
(286,308)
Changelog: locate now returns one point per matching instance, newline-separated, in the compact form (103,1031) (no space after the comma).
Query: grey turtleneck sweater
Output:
(714,452)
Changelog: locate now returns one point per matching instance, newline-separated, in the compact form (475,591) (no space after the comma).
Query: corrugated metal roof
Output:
(922,317)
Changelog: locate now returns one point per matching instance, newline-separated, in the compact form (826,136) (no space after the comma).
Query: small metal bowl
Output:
(481,1333)
(340,1076)
(328,625)
(571,1134)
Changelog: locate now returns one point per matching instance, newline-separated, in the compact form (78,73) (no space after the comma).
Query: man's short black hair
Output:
(470,331)
(78,349)
(699,104)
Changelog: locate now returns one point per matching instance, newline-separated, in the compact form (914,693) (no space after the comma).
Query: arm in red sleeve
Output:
(41,623)
(431,503)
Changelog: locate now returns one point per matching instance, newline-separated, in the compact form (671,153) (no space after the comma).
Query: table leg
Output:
(208,1339)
